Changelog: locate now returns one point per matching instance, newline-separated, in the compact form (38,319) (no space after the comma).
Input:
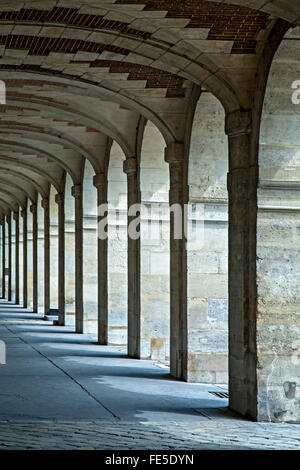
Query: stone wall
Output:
(21,258)
(29,259)
(117,249)
(155,248)
(207,256)
(69,255)
(40,216)
(90,280)
(13,263)
(278,238)
(53,249)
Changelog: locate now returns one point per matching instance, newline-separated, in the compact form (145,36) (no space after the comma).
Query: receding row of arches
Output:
(163,296)
(38,287)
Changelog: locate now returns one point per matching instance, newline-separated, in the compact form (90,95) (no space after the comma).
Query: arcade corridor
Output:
(150,224)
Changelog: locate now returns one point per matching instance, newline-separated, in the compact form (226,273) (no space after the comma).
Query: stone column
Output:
(77,194)
(17,271)
(242,191)
(3,259)
(60,200)
(130,167)
(45,206)
(100,182)
(24,216)
(8,219)
(33,210)
(178,195)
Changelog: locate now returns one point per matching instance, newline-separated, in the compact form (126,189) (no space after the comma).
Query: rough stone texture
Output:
(29,259)
(278,240)
(155,248)
(41,255)
(69,255)
(207,254)
(117,249)
(21,260)
(90,299)
(53,249)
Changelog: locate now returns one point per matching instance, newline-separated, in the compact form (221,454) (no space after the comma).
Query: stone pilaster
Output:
(8,220)
(242,193)
(60,201)
(174,155)
(131,169)
(45,206)
(100,182)
(24,216)
(33,210)
(17,270)
(77,194)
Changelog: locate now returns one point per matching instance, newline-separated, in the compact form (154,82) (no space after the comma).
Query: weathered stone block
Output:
(218,313)
(208,341)
(207,286)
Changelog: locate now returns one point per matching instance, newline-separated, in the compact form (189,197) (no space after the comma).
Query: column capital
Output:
(23,212)
(100,180)
(130,166)
(33,208)
(174,152)
(238,123)
(45,203)
(76,191)
(8,219)
(59,198)
(16,215)
(1,220)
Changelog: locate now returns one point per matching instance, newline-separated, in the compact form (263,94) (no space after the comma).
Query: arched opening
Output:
(41,257)
(21,280)
(69,254)
(29,257)
(90,278)
(155,247)
(117,248)
(207,247)
(278,240)
(53,208)
(13,253)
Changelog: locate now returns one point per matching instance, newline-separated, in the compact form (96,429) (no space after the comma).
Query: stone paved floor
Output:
(83,435)
(60,390)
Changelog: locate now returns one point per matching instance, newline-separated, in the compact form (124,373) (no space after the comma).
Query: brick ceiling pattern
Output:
(154,78)
(42,46)
(71,17)
(225,21)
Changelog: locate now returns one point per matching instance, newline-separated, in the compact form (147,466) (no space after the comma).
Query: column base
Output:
(52,315)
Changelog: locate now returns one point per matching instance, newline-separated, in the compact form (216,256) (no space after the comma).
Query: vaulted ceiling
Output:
(79,74)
